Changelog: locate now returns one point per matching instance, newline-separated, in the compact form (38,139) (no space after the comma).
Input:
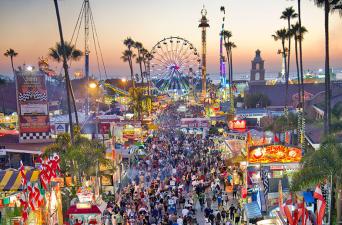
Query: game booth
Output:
(275,162)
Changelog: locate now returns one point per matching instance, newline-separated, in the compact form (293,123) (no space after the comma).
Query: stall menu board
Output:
(274,154)
(32,102)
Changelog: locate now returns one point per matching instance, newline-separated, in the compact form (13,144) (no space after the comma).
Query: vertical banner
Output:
(32,107)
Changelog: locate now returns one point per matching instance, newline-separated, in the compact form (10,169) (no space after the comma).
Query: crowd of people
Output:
(179,182)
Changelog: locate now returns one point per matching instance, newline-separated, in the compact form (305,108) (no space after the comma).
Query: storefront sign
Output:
(274,154)
(32,104)
(60,128)
(235,136)
(237,124)
(195,123)
(104,128)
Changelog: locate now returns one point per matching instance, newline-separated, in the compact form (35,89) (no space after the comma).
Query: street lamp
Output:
(92,85)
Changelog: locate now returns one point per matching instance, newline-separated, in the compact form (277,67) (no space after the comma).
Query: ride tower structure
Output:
(204,25)
(85,22)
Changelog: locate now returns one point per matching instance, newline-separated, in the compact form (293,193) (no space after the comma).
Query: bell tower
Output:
(258,69)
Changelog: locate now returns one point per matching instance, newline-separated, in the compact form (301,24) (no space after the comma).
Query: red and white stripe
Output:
(321,205)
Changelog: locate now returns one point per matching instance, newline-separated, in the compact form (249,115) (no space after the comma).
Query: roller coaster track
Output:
(116,89)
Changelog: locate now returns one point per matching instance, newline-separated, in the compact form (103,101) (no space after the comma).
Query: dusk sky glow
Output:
(30,27)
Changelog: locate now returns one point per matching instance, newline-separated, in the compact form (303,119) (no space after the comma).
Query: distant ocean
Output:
(246,76)
(268,76)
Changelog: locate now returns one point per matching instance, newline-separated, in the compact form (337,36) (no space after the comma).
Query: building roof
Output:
(12,142)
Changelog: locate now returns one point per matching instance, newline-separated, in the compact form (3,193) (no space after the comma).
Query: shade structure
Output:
(10,180)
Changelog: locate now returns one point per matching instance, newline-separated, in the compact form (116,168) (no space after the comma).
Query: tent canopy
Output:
(10,180)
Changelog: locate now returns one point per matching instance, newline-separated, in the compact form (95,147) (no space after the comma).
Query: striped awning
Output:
(10,180)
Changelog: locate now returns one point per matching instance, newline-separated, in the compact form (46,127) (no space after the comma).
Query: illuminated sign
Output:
(237,124)
(274,154)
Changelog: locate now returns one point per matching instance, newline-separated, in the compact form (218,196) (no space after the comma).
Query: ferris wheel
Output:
(175,66)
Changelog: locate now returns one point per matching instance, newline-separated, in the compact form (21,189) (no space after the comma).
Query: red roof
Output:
(93,210)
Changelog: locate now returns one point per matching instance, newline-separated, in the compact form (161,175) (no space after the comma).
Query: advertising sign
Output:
(237,124)
(32,101)
(195,123)
(104,128)
(274,154)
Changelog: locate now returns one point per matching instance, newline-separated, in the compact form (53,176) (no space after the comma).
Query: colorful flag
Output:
(321,204)
(276,138)
(287,210)
(280,190)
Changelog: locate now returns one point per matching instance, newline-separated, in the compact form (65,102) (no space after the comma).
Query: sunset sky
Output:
(30,27)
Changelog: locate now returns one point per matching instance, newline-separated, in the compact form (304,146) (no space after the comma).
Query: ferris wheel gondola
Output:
(175,65)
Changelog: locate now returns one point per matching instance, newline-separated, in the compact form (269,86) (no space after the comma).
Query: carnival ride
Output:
(175,66)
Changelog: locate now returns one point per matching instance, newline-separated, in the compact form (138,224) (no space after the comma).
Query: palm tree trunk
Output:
(66,72)
(327,116)
(289,52)
(132,73)
(73,102)
(12,64)
(298,73)
(286,74)
(301,54)
(231,83)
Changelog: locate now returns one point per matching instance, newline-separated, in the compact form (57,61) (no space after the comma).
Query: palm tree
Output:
(230,45)
(11,53)
(140,58)
(329,6)
(318,166)
(299,37)
(128,55)
(226,37)
(289,14)
(71,54)
(282,35)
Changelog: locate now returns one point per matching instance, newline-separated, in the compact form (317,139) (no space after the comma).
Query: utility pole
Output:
(204,24)
(65,66)
(86,51)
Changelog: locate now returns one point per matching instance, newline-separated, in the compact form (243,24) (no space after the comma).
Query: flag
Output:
(264,139)
(265,181)
(276,139)
(287,211)
(280,190)
(321,204)
(287,137)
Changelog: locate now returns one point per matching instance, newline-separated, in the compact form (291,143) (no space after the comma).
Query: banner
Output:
(32,109)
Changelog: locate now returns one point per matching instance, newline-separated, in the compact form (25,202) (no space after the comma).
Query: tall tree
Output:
(329,6)
(11,54)
(282,35)
(128,56)
(298,37)
(318,166)
(71,54)
(140,58)
(288,14)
